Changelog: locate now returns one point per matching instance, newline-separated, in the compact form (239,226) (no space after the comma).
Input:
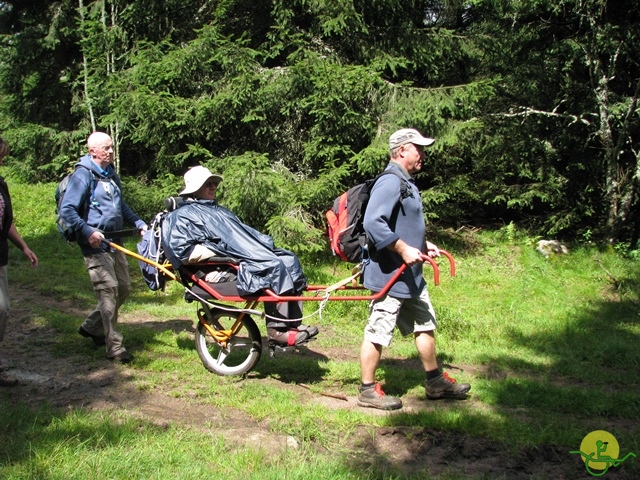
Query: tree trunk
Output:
(620,180)
(85,70)
(109,21)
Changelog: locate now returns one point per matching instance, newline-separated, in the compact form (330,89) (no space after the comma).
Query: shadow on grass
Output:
(584,376)
(403,374)
(33,441)
(144,332)
(590,369)
(302,365)
(575,380)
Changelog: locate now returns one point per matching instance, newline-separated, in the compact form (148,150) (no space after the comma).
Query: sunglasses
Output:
(210,184)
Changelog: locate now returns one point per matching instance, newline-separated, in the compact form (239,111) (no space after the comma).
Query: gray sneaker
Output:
(444,386)
(374,397)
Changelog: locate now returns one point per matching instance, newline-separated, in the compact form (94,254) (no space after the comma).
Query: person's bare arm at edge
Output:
(411,255)
(17,240)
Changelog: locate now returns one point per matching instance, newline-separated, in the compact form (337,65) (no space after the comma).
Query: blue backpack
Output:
(151,247)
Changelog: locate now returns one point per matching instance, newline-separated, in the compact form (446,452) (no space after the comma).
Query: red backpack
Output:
(344,220)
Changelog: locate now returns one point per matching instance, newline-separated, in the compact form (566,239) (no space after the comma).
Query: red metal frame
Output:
(270,296)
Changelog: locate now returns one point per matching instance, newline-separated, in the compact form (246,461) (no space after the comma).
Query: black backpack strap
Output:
(405,189)
(405,192)
(118,182)
(92,191)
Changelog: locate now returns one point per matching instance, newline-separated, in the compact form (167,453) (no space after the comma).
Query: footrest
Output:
(275,347)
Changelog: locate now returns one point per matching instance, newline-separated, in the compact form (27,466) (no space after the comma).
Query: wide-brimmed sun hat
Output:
(196,177)
(408,135)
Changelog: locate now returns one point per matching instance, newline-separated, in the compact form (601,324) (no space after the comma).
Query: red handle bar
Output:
(436,270)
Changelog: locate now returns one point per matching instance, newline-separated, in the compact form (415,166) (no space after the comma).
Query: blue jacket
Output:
(387,218)
(93,201)
(262,265)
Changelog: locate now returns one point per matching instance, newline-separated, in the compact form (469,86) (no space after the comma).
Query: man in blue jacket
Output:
(93,206)
(394,223)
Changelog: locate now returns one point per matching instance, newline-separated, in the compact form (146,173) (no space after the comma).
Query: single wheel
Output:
(239,353)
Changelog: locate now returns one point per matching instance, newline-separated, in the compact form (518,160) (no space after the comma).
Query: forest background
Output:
(533,104)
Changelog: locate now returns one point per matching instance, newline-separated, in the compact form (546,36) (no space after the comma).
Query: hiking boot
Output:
(122,357)
(310,329)
(287,338)
(444,386)
(98,340)
(374,397)
(7,380)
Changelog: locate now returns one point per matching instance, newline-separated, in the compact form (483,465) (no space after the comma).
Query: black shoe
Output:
(7,380)
(98,340)
(124,357)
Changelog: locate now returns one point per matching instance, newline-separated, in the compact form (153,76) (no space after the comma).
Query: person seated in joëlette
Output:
(200,228)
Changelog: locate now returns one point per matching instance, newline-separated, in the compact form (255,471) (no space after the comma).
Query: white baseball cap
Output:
(408,135)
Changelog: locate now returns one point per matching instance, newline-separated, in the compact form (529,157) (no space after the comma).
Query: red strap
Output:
(342,224)
(332,228)
(291,339)
(337,222)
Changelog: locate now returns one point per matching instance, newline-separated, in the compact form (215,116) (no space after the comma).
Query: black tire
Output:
(242,351)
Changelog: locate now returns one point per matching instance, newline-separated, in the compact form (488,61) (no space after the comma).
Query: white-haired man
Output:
(93,206)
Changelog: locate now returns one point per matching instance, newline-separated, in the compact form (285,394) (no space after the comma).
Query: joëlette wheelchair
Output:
(227,338)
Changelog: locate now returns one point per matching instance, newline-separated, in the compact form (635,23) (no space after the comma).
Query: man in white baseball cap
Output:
(395,226)
(408,135)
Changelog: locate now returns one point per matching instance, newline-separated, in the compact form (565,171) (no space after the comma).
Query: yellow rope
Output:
(357,270)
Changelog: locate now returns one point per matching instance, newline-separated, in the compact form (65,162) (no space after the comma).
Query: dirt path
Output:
(66,383)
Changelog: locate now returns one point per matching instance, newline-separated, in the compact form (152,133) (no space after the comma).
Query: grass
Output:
(550,347)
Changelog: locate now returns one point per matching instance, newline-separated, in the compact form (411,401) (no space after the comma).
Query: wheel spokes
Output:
(222,356)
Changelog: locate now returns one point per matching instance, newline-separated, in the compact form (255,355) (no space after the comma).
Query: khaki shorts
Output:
(410,315)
